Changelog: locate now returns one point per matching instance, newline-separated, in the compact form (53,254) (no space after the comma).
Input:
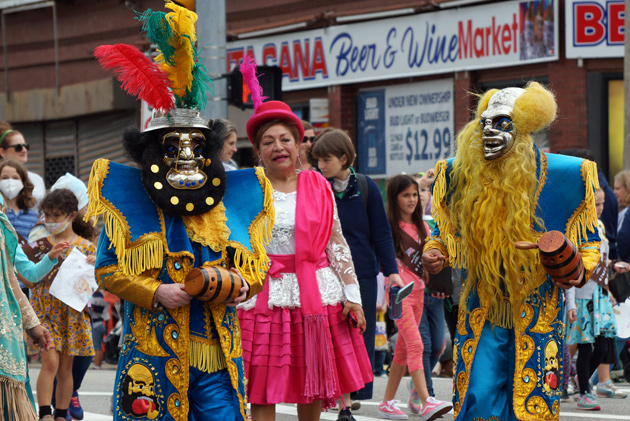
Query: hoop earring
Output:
(299,162)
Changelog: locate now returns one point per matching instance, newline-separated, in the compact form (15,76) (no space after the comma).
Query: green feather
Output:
(159,32)
(197,96)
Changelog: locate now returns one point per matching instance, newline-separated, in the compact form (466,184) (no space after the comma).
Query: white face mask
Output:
(11,187)
(57,227)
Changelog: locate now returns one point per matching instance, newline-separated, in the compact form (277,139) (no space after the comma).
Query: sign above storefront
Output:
(405,128)
(501,34)
(595,28)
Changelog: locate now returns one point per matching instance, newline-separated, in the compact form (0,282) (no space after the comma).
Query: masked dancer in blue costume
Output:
(181,358)
(498,190)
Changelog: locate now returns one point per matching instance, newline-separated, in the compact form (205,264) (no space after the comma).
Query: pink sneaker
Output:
(434,408)
(390,411)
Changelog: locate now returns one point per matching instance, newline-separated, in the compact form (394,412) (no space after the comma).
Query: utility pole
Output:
(211,43)
(626,90)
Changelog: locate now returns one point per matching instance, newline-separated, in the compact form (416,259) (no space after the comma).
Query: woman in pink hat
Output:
(300,343)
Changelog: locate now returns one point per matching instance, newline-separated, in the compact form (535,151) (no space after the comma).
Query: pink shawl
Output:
(313,226)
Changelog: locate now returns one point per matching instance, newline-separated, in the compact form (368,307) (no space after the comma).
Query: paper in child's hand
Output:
(74,283)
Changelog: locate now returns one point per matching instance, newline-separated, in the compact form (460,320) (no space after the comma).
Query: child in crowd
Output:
(100,314)
(409,232)
(433,324)
(591,320)
(365,228)
(70,329)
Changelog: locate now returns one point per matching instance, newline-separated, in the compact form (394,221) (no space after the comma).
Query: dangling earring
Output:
(260,163)
(299,162)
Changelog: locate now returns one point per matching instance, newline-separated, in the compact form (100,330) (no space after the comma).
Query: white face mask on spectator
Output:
(57,227)
(11,187)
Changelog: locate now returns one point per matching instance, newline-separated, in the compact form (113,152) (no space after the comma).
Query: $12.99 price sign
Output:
(419,148)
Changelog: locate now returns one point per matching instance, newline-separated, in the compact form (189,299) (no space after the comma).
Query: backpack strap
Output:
(363,188)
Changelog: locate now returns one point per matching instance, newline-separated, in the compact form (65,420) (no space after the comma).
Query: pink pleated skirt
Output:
(273,355)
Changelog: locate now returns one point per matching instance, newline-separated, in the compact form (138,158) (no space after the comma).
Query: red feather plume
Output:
(139,75)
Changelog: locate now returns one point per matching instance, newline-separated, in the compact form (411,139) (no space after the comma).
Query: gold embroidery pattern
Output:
(177,338)
(525,379)
(537,406)
(231,344)
(144,334)
(175,404)
(476,320)
(547,313)
(461,321)
(178,265)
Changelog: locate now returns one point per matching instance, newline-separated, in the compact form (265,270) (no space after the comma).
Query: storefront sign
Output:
(505,33)
(595,28)
(405,128)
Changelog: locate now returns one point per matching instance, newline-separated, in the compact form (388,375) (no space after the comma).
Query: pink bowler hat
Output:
(272,110)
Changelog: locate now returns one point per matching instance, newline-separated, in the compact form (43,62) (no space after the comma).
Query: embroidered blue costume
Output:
(165,353)
(181,358)
(508,347)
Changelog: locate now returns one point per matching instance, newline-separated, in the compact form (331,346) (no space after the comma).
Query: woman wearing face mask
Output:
(19,207)
(17,191)
(13,146)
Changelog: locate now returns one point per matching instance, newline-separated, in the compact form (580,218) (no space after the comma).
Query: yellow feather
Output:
(182,22)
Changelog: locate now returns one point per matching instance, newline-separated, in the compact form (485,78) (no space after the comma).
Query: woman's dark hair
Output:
(65,201)
(307,125)
(266,125)
(334,142)
(25,199)
(395,186)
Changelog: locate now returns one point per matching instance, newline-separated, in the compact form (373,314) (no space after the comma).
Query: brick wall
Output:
(568,81)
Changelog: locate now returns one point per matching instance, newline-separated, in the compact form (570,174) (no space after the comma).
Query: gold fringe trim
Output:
(133,258)
(584,219)
(210,228)
(500,314)
(207,357)
(14,401)
(442,217)
(254,266)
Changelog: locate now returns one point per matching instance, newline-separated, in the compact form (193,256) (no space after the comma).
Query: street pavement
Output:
(96,391)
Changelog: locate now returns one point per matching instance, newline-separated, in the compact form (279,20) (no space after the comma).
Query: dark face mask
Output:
(182,172)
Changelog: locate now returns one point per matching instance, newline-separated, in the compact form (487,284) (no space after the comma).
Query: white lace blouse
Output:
(337,282)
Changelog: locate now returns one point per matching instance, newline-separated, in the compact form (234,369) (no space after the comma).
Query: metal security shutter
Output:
(34,136)
(61,150)
(101,137)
